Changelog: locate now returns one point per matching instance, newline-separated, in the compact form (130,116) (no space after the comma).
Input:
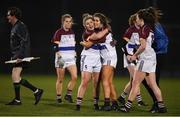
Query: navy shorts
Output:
(23,64)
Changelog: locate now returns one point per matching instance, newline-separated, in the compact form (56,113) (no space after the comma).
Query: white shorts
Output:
(65,61)
(146,66)
(109,55)
(90,63)
(126,63)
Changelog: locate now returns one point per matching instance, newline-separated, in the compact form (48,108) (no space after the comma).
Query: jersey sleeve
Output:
(128,33)
(144,32)
(57,36)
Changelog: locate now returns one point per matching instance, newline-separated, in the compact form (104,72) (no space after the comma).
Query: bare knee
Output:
(59,80)
(84,84)
(74,78)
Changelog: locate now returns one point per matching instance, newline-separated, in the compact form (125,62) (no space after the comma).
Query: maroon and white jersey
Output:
(108,52)
(66,41)
(148,34)
(132,33)
(94,49)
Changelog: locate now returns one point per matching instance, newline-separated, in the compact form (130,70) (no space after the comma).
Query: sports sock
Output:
(106,101)
(128,104)
(58,96)
(28,85)
(138,98)
(96,100)
(17,90)
(79,101)
(69,92)
(123,94)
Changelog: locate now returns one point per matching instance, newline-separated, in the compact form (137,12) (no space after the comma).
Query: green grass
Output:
(48,106)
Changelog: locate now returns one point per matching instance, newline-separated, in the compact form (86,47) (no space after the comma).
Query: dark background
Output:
(43,19)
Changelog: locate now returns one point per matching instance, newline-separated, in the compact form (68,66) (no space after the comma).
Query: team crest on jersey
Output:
(67,38)
(85,66)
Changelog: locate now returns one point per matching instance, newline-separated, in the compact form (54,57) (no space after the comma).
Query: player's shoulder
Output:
(20,26)
(146,28)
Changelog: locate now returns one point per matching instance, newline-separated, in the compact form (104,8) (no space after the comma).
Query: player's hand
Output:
(133,58)
(18,60)
(113,43)
(58,54)
(129,57)
(88,38)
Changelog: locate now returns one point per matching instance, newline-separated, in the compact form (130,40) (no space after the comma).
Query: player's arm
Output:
(126,39)
(55,45)
(139,50)
(55,41)
(123,44)
(99,35)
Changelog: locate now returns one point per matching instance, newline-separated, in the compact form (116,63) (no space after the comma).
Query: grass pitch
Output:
(48,107)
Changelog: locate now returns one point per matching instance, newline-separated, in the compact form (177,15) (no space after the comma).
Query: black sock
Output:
(114,102)
(106,101)
(17,90)
(28,85)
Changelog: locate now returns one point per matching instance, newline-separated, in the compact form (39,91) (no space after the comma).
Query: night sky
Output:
(43,19)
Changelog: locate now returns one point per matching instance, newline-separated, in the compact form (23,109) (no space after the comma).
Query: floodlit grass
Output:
(48,106)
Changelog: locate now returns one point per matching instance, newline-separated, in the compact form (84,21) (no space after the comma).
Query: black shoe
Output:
(141,103)
(14,102)
(121,100)
(59,100)
(105,108)
(114,107)
(154,108)
(162,110)
(96,107)
(38,96)
(68,98)
(78,107)
(124,109)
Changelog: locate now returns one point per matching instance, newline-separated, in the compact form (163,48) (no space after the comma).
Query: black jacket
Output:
(20,41)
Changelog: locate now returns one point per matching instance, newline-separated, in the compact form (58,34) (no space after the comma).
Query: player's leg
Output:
(37,91)
(85,77)
(59,83)
(96,89)
(16,71)
(150,91)
(113,93)
(137,79)
(151,80)
(127,88)
(73,72)
(106,70)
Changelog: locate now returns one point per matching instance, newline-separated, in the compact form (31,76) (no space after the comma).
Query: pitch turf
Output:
(48,107)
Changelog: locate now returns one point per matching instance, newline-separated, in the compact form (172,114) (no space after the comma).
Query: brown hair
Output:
(132,19)
(103,19)
(155,12)
(14,11)
(148,17)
